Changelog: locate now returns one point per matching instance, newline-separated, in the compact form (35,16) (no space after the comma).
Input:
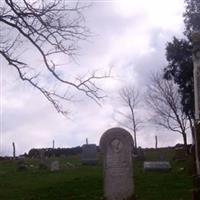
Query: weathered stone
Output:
(157,166)
(42,154)
(21,166)
(139,155)
(179,154)
(116,146)
(69,165)
(54,166)
(89,154)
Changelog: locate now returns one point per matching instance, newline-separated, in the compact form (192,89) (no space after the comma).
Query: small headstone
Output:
(139,154)
(41,154)
(179,154)
(157,166)
(162,157)
(89,154)
(43,165)
(70,165)
(116,146)
(54,166)
(21,166)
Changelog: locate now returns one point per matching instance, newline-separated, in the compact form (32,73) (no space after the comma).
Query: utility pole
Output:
(53,144)
(156,142)
(14,152)
(196,73)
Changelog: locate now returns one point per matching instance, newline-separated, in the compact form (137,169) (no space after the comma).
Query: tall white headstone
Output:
(116,147)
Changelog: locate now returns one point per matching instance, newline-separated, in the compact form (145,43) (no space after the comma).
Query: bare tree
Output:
(50,28)
(165,101)
(130,99)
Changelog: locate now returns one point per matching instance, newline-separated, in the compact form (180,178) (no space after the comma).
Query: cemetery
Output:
(60,178)
(132,87)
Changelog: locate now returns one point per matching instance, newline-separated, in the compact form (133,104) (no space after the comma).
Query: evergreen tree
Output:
(179,57)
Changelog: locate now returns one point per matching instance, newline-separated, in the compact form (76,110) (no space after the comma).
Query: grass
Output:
(86,182)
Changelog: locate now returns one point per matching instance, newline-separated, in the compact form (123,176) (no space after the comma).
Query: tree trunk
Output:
(192,130)
(196,190)
(197,147)
(135,140)
(185,143)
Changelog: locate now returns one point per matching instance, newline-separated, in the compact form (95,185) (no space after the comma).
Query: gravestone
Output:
(44,165)
(89,154)
(21,166)
(179,154)
(139,155)
(41,154)
(157,166)
(54,166)
(116,146)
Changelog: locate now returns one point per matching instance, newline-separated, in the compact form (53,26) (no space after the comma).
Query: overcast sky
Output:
(130,36)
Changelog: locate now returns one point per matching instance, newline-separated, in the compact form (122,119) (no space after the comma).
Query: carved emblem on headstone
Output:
(116,145)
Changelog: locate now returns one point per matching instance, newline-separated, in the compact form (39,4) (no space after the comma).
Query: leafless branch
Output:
(165,102)
(48,28)
(130,99)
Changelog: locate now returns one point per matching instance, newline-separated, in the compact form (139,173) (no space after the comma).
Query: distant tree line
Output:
(49,152)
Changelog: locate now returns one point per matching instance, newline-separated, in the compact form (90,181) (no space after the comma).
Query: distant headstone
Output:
(162,157)
(139,154)
(41,154)
(116,146)
(179,154)
(21,166)
(70,165)
(157,166)
(54,166)
(89,154)
(44,165)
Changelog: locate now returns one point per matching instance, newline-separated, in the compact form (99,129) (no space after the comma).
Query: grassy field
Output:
(86,182)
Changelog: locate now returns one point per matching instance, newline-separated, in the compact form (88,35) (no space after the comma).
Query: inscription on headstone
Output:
(116,147)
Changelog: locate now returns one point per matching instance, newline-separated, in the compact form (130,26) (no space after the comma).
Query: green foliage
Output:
(179,57)
(192,17)
(180,69)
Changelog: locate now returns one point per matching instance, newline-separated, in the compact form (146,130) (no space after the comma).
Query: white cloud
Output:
(129,35)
